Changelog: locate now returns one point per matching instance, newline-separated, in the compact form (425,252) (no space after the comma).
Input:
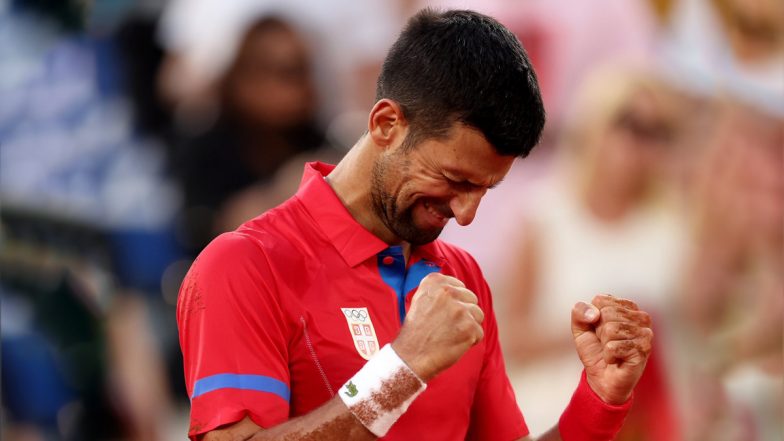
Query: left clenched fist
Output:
(613,339)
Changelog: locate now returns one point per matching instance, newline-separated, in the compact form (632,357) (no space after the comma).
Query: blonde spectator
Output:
(602,223)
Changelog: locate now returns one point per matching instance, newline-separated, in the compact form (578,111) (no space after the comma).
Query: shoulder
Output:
(231,264)
(285,223)
(247,257)
(232,279)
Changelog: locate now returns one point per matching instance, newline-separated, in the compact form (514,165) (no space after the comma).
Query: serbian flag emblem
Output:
(362,332)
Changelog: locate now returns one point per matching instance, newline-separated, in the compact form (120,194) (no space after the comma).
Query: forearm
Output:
(364,408)
(332,421)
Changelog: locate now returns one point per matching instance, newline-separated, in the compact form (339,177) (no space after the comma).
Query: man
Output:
(278,318)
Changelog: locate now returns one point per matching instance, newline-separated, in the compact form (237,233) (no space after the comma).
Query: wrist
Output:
(613,400)
(589,418)
(418,364)
(381,391)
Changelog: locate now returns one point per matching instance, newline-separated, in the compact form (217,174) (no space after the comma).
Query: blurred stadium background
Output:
(133,132)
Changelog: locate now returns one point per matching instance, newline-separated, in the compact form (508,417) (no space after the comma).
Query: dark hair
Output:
(462,66)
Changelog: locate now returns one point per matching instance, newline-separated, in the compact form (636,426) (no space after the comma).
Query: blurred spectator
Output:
(602,223)
(731,343)
(718,45)
(86,230)
(142,59)
(267,117)
(734,291)
(349,40)
(565,40)
(88,208)
(568,39)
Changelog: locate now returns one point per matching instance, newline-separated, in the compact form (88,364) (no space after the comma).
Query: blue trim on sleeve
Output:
(258,383)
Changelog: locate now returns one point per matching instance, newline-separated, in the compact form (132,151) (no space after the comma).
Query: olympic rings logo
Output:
(356,314)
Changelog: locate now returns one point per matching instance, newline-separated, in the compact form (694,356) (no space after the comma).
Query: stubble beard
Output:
(399,221)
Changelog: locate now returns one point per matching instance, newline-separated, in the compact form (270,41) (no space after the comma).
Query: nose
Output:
(465,204)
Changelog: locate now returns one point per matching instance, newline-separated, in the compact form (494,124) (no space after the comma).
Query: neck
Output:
(351,182)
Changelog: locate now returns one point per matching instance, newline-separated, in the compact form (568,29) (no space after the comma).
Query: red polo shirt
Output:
(275,316)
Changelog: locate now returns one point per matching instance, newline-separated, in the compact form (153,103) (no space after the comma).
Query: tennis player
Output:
(339,315)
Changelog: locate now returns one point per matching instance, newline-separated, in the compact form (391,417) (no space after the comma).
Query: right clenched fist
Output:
(444,321)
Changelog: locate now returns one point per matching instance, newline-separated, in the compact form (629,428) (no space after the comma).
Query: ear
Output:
(386,124)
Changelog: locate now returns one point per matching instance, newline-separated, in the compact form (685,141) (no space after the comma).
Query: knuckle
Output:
(448,290)
(630,304)
(620,313)
(466,326)
(645,318)
(620,330)
(435,276)
(457,314)
(622,346)
(480,332)
(480,314)
(432,278)
(455,281)
(646,343)
(476,313)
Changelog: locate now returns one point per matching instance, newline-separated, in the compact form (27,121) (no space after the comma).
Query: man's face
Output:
(416,191)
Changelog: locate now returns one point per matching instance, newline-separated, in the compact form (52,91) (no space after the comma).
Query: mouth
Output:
(436,217)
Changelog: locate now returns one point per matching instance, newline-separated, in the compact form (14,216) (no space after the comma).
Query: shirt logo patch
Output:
(351,390)
(362,331)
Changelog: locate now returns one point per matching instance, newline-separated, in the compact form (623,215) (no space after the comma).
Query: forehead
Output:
(466,154)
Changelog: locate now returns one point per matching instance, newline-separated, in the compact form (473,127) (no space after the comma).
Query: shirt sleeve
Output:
(233,337)
(494,413)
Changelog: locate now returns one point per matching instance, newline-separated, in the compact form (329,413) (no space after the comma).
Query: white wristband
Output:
(381,391)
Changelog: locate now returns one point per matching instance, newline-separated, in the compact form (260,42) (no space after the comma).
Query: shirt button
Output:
(388,260)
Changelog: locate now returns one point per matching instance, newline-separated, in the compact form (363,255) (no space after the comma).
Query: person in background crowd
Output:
(602,222)
(734,283)
(86,216)
(267,117)
(348,40)
(716,45)
(263,310)
(566,41)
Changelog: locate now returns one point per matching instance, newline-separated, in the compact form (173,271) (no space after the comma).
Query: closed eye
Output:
(462,185)
(467,185)
(495,185)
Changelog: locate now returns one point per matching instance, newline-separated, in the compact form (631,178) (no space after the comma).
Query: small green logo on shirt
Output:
(351,390)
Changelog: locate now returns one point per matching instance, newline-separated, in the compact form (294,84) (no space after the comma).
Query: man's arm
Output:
(332,421)
(443,322)
(613,339)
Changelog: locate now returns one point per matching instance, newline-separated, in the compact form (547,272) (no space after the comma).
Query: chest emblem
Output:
(362,331)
